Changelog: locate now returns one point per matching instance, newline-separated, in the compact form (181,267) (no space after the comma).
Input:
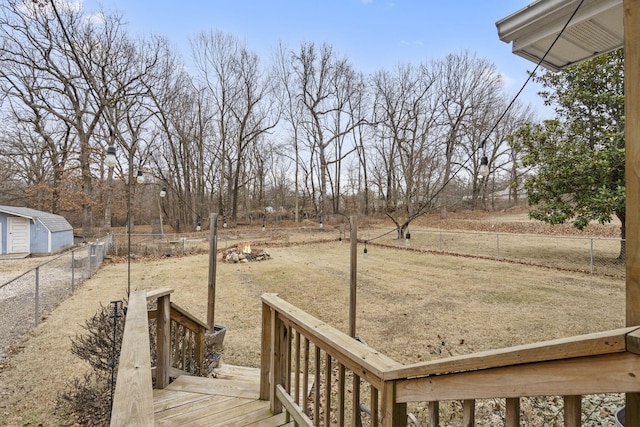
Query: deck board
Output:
(240,415)
(274,421)
(228,399)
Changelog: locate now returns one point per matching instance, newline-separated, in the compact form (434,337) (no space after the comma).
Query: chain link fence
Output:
(170,244)
(26,299)
(593,255)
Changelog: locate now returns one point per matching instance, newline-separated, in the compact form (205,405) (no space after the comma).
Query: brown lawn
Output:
(411,306)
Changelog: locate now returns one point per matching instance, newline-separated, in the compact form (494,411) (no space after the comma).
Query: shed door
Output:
(17,235)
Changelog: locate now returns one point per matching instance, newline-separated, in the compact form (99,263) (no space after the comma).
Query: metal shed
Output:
(30,231)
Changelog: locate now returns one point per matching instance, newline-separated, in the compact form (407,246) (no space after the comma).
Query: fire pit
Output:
(244,253)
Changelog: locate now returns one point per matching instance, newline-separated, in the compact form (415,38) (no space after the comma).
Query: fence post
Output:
(497,245)
(440,242)
(37,292)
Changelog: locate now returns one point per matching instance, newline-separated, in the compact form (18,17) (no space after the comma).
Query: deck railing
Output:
(185,332)
(321,376)
(297,346)
(173,325)
(133,397)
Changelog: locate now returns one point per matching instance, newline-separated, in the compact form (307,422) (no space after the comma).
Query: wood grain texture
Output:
(163,350)
(631,20)
(157,293)
(296,412)
(608,342)
(512,410)
(365,361)
(223,401)
(586,375)
(133,398)
(572,411)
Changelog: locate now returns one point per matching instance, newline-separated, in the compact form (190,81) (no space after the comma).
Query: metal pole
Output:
(89,261)
(591,255)
(89,257)
(497,245)
(213,250)
(354,281)
(115,306)
(73,271)
(129,221)
(37,292)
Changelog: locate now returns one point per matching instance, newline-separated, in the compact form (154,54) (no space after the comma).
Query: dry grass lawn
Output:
(410,306)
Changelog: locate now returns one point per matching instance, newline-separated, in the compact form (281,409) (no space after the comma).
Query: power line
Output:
(506,110)
(504,113)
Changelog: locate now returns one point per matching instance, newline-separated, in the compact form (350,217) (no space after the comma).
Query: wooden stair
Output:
(228,399)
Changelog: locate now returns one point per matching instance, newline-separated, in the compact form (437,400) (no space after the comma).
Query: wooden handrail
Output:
(613,373)
(279,318)
(599,343)
(170,311)
(603,362)
(370,364)
(134,369)
(183,317)
(157,293)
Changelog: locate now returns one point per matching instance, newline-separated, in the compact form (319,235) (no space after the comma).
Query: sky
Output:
(373,34)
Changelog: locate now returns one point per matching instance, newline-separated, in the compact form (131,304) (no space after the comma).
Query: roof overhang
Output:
(595,29)
(19,214)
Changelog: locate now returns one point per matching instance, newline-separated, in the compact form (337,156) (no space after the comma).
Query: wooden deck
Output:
(229,399)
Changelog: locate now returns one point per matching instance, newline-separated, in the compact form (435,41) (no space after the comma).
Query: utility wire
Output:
(504,113)
(531,75)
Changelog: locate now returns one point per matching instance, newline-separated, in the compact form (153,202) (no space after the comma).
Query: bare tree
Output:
(187,160)
(61,72)
(241,98)
(406,114)
(292,111)
(469,87)
(45,82)
(328,88)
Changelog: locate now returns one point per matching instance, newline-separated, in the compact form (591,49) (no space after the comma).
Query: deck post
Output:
(631,19)
(163,351)
(513,412)
(468,413)
(572,411)
(393,414)
(265,353)
(200,346)
(211,283)
(278,359)
(434,414)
